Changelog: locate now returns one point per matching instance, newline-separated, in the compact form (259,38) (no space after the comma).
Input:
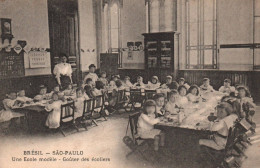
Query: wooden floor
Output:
(103,141)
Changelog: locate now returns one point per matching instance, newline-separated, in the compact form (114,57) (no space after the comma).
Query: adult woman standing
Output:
(63,72)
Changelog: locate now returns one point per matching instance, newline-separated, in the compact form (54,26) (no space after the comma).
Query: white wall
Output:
(29,23)
(87,34)
(133,25)
(235,25)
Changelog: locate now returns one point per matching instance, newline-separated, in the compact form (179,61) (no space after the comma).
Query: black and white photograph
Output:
(129,83)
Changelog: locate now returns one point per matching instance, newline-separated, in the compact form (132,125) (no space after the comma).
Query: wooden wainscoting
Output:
(217,77)
(30,84)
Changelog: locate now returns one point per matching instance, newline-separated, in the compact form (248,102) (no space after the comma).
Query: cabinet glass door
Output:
(152,53)
(165,60)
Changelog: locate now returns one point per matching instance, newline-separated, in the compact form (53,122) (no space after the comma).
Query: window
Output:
(256,37)
(111,26)
(161,15)
(201,34)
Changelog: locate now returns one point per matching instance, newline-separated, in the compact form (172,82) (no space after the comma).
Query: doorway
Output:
(64,33)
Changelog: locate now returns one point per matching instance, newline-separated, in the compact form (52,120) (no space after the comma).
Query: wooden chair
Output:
(138,142)
(88,111)
(99,106)
(136,96)
(149,94)
(225,158)
(67,117)
(121,99)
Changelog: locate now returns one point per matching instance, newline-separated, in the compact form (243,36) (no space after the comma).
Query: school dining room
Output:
(129,83)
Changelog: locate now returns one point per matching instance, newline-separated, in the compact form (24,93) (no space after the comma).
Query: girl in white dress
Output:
(21,97)
(139,83)
(160,104)
(193,94)
(225,120)
(79,103)
(182,100)
(42,94)
(127,83)
(146,122)
(54,107)
(171,105)
(154,83)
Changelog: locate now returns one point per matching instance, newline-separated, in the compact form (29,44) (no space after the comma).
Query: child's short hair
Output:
(127,77)
(227,80)
(192,87)
(91,66)
(139,77)
(171,93)
(156,78)
(118,83)
(181,87)
(227,106)
(88,80)
(149,103)
(157,96)
(99,85)
(103,73)
(80,89)
(55,93)
(42,87)
(205,79)
(181,80)
(246,90)
(169,77)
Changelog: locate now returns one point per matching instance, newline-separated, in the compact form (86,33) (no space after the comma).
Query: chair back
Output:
(133,119)
(231,138)
(98,102)
(149,94)
(136,95)
(67,112)
(88,108)
(120,96)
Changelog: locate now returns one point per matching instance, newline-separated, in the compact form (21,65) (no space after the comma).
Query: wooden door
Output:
(63,27)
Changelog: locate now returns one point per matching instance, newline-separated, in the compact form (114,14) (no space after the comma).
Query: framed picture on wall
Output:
(6,29)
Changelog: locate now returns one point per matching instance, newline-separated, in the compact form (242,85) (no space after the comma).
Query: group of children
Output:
(236,103)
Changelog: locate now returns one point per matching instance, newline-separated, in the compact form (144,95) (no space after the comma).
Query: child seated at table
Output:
(21,97)
(69,91)
(154,83)
(99,89)
(42,94)
(225,120)
(10,103)
(127,83)
(227,88)
(103,78)
(160,102)
(54,107)
(206,87)
(182,100)
(171,105)
(170,84)
(79,103)
(182,82)
(57,90)
(146,122)
(193,94)
(246,102)
(120,85)
(139,83)
(89,89)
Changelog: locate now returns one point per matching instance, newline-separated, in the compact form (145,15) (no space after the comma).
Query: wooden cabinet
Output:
(159,54)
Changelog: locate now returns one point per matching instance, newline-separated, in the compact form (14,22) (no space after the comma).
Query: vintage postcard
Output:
(129,83)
